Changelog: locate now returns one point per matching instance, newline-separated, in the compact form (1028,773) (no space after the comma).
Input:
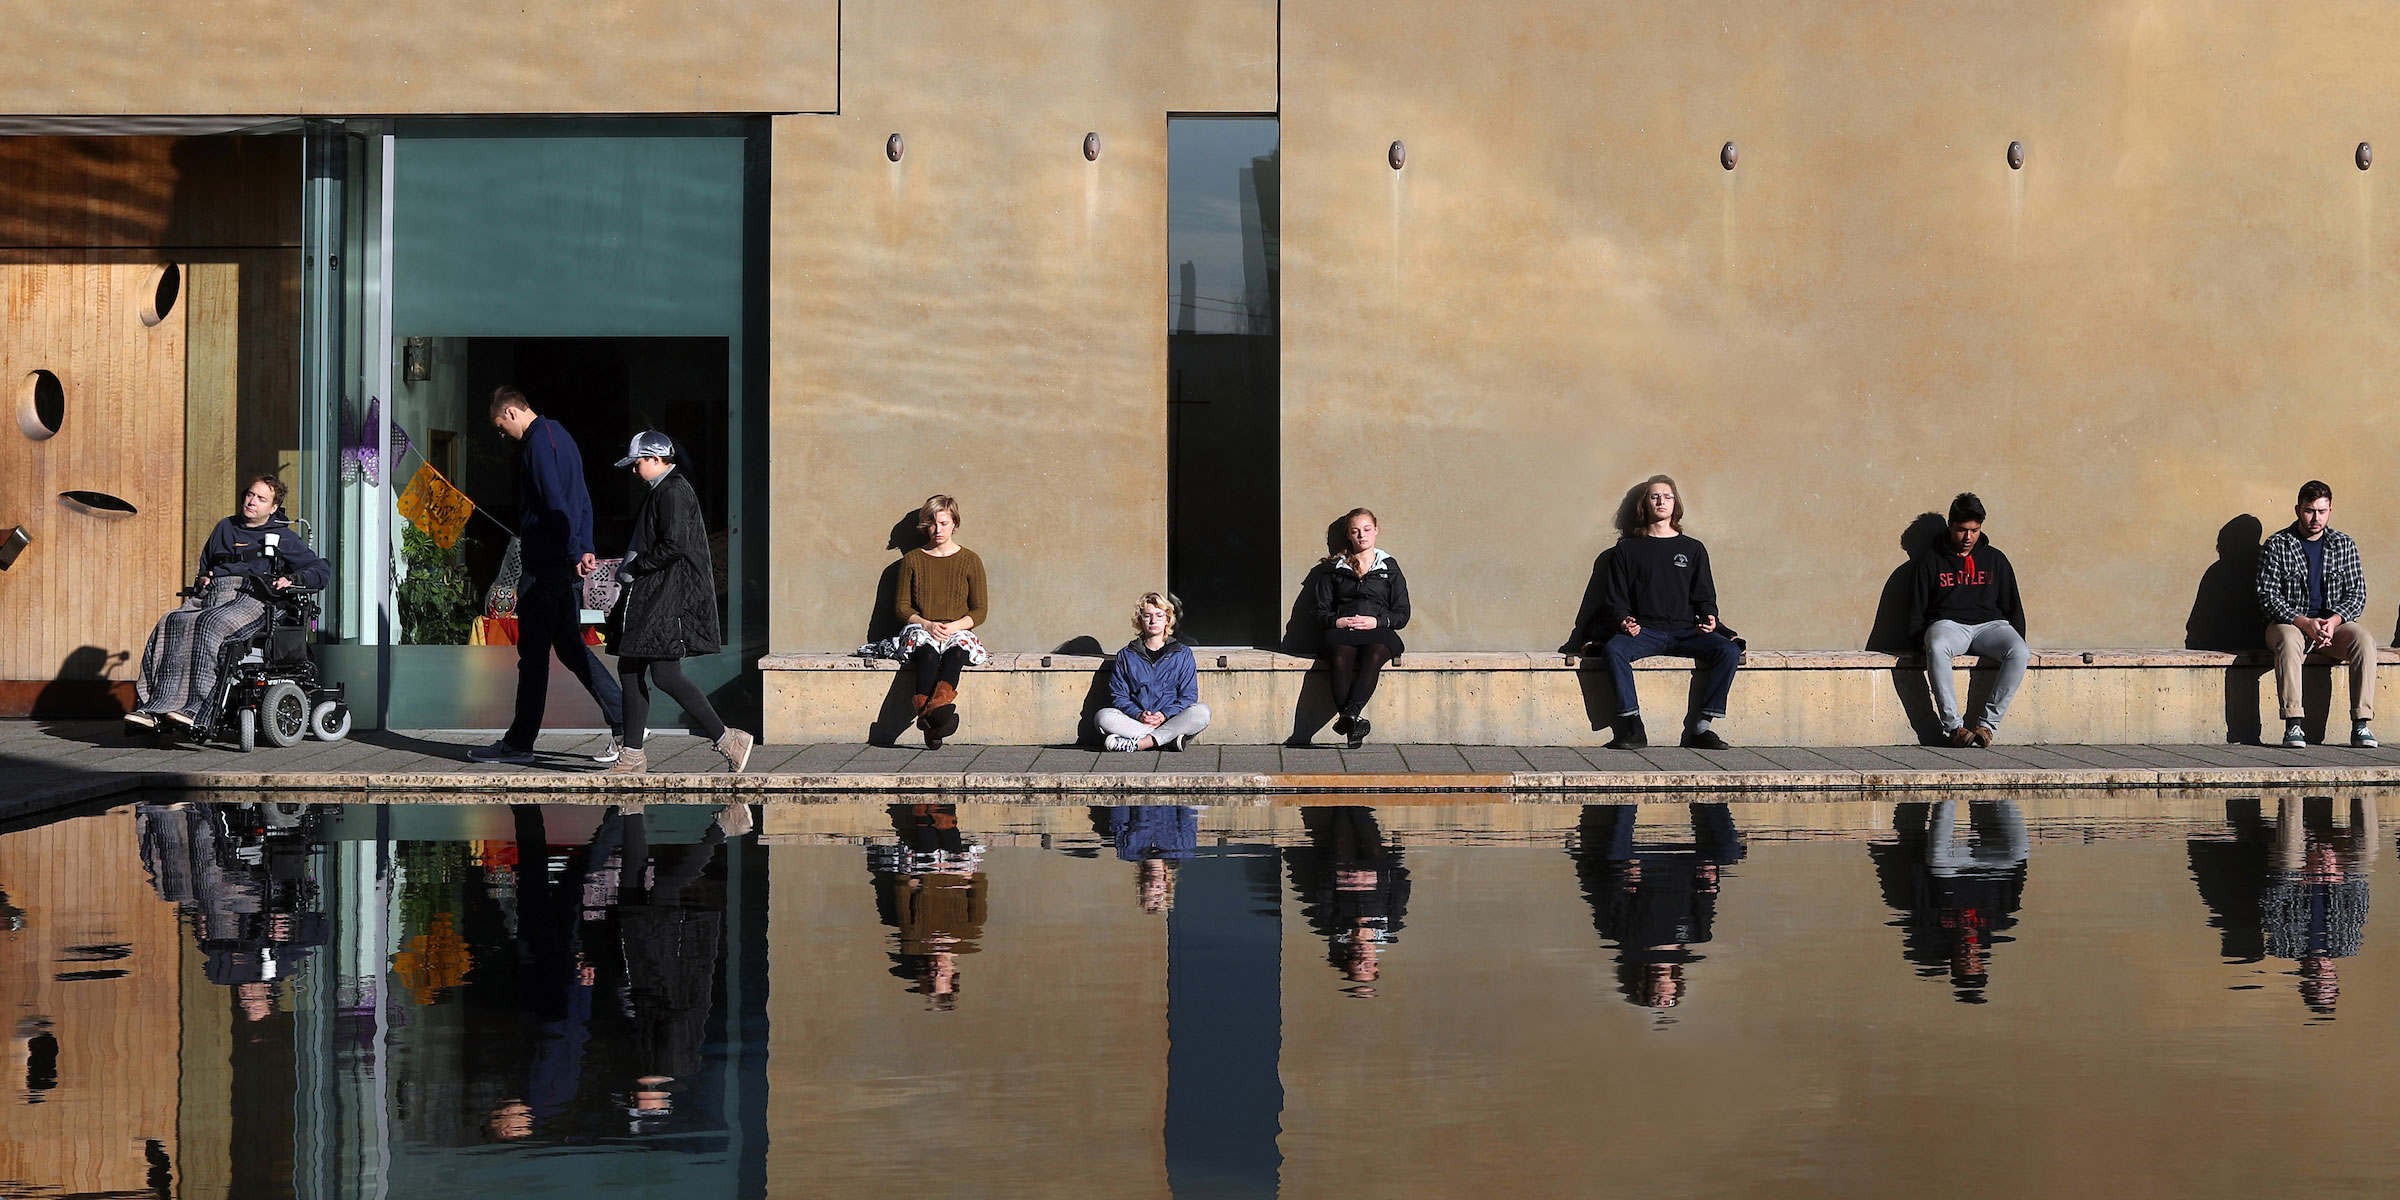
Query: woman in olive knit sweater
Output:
(941,592)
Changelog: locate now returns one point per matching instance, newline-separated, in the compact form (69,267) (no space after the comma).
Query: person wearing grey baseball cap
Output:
(667,611)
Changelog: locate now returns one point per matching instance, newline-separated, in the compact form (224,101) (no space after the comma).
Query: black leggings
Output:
(669,674)
(1355,670)
(935,668)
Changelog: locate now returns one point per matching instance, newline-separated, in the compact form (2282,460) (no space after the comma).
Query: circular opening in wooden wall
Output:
(41,405)
(159,295)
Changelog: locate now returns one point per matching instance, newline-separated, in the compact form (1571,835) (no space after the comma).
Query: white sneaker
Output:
(616,746)
(1118,742)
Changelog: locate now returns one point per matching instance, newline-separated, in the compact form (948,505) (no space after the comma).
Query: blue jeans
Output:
(549,621)
(1714,655)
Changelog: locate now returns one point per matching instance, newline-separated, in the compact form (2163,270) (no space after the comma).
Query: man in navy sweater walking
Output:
(554,525)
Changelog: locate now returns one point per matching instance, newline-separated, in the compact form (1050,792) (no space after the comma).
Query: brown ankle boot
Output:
(735,746)
(943,696)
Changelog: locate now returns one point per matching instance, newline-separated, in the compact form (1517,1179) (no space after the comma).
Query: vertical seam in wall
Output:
(840,33)
(1279,80)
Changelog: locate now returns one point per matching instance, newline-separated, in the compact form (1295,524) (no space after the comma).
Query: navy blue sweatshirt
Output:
(237,549)
(554,512)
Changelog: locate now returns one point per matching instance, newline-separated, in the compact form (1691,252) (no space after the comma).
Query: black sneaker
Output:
(1630,735)
(1702,739)
(1341,722)
(1360,727)
(500,752)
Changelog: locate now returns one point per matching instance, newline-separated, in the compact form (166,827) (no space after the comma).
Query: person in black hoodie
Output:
(1662,599)
(1964,601)
(248,556)
(1361,601)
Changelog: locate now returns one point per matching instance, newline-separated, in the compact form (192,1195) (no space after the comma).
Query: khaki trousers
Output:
(2351,643)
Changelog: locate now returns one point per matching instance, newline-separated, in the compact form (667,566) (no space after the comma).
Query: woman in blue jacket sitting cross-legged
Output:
(1154,688)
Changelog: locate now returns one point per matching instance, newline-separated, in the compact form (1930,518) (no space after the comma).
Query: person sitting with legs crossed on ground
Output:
(1664,601)
(1963,600)
(1154,685)
(2313,590)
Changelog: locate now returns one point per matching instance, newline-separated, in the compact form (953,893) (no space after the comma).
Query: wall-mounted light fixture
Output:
(416,359)
(1091,147)
(2016,156)
(1730,155)
(13,545)
(2365,156)
(1397,155)
(894,147)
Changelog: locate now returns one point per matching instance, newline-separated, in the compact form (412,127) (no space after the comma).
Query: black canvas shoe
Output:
(1360,727)
(1341,722)
(1630,735)
(1702,739)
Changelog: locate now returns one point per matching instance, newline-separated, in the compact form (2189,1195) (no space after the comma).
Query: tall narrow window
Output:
(1224,421)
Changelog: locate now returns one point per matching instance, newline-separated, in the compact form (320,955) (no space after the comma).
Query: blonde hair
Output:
(939,503)
(1159,600)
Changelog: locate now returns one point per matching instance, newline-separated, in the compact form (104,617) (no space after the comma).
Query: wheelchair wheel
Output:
(246,729)
(330,721)
(283,714)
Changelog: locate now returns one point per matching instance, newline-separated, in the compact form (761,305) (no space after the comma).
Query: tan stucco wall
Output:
(1564,292)
(987,316)
(290,57)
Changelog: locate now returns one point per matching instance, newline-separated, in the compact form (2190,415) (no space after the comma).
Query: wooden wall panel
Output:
(81,884)
(95,192)
(81,599)
(242,388)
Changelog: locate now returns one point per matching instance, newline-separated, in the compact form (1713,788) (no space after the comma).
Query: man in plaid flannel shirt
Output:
(2313,591)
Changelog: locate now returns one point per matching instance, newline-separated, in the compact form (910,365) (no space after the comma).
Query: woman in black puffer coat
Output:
(668,610)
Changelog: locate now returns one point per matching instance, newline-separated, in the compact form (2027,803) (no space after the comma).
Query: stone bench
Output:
(1782,698)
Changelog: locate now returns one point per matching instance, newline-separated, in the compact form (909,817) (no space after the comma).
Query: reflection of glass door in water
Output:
(1224,414)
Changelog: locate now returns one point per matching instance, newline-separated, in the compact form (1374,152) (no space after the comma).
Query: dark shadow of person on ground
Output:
(2225,617)
(897,713)
(82,689)
(1890,634)
(1303,636)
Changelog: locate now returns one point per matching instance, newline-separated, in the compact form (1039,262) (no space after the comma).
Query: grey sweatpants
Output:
(1945,640)
(1183,724)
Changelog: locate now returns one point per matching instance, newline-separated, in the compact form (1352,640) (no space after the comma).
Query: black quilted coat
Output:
(670,604)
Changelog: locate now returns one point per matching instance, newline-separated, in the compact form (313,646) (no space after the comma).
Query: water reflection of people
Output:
(1654,902)
(556,973)
(671,912)
(1154,838)
(1353,889)
(2295,890)
(931,889)
(1956,896)
(243,875)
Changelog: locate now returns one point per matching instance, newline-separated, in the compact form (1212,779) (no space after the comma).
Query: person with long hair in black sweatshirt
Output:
(1663,600)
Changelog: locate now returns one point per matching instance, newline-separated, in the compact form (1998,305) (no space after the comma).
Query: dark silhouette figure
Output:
(2296,889)
(1353,890)
(82,689)
(2225,617)
(1302,634)
(1956,898)
(930,888)
(1653,903)
(1890,634)
(556,974)
(671,914)
(897,713)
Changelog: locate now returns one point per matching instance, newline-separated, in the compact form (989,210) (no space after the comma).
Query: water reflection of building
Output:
(1956,895)
(92,1013)
(2295,889)
(930,889)
(1654,902)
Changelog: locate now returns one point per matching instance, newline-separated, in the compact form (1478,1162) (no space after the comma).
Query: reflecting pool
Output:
(207,996)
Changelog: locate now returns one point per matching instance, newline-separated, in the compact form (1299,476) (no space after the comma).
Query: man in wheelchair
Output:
(237,650)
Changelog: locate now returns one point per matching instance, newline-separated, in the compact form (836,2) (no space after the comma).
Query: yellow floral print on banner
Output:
(437,509)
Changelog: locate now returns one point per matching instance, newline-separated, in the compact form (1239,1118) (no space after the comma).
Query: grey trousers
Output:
(1183,724)
(1945,640)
